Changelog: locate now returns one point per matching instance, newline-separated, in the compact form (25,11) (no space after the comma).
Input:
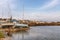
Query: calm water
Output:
(39,33)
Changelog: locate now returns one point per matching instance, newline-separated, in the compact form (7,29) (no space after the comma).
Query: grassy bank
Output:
(1,35)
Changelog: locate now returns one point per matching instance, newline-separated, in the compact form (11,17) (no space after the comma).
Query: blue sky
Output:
(44,10)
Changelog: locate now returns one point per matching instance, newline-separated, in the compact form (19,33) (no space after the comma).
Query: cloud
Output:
(40,16)
(4,3)
(43,16)
(50,5)
(4,7)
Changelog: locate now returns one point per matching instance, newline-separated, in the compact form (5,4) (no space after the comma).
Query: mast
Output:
(23,11)
(2,12)
(9,12)
(23,21)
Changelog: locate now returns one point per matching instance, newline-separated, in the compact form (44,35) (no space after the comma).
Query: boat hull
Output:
(14,29)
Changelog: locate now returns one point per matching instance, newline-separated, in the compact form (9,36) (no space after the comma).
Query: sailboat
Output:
(21,25)
(12,25)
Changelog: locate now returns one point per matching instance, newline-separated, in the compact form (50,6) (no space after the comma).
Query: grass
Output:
(1,35)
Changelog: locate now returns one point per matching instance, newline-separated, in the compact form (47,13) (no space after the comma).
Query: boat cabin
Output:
(7,25)
(21,26)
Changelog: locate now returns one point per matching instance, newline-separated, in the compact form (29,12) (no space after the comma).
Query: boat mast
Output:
(23,21)
(2,12)
(9,12)
(23,11)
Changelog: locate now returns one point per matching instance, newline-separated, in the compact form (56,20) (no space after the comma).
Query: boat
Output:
(13,27)
(20,27)
(13,24)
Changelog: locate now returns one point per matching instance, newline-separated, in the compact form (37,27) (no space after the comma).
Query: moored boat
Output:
(13,27)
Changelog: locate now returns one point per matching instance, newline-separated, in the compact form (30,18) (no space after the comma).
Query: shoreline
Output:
(44,25)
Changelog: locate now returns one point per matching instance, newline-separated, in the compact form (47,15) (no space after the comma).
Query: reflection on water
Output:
(39,33)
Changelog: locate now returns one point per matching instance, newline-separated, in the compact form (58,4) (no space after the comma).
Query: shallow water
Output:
(39,33)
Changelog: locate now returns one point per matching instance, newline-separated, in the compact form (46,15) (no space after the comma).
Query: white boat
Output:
(19,26)
(14,26)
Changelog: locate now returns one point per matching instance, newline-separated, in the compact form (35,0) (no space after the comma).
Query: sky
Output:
(42,10)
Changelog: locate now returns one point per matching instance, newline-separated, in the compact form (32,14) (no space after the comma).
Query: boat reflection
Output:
(19,35)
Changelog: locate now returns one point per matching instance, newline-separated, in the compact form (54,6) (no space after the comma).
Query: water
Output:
(39,33)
